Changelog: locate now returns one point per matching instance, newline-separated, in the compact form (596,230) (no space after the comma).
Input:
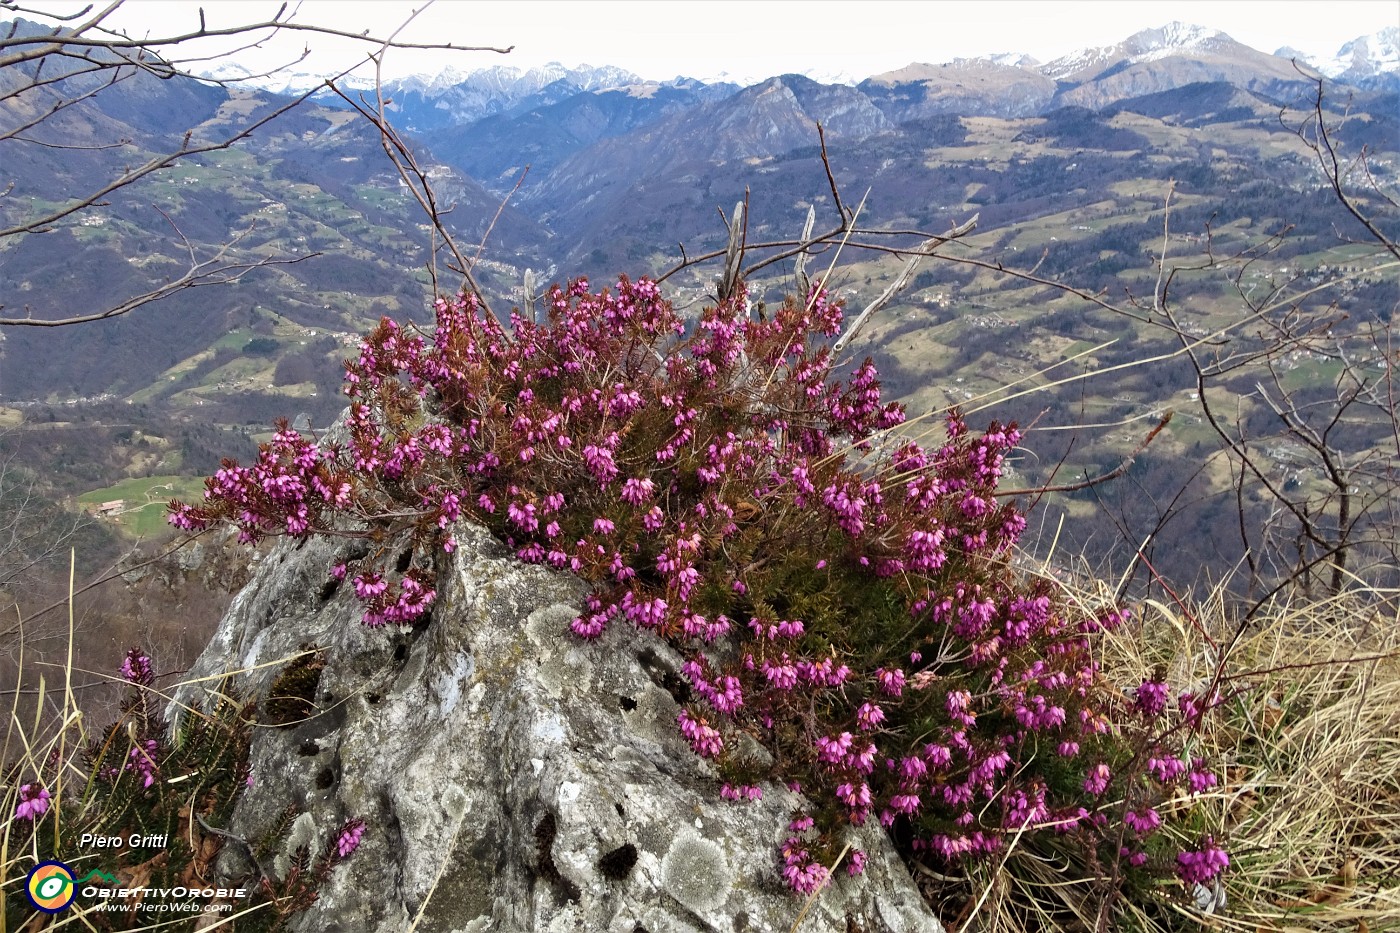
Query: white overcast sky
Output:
(661,39)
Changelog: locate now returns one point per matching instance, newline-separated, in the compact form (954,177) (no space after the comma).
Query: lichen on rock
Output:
(458,738)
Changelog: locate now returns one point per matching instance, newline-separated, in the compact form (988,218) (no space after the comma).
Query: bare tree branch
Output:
(86,48)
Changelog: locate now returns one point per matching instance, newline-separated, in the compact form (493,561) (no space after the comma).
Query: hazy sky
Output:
(706,38)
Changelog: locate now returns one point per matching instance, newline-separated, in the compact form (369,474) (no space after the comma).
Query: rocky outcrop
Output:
(512,777)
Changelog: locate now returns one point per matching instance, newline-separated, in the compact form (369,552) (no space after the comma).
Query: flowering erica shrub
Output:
(842,592)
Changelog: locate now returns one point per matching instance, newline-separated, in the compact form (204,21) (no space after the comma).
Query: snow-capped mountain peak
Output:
(1174,36)
(1364,56)
(1148,45)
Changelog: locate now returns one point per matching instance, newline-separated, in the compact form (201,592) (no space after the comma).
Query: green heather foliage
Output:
(845,596)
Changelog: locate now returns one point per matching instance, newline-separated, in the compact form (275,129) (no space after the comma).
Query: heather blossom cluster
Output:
(33,802)
(841,591)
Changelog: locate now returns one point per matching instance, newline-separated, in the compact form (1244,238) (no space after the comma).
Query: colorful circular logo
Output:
(50,886)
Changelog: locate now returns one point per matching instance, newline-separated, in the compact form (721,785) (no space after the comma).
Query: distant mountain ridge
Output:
(1364,60)
(620,170)
(1000,84)
(592,151)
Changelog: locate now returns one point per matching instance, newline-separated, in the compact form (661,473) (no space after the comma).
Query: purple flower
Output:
(33,802)
(1201,865)
(368,586)
(891,681)
(1142,822)
(637,491)
(911,769)
(783,675)
(349,839)
(1166,769)
(853,796)
(136,667)
(869,716)
(1096,782)
(703,738)
(143,761)
(738,792)
(833,751)
(1152,696)
(803,873)
(1201,778)
(904,803)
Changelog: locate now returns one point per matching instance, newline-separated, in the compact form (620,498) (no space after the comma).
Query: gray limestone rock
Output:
(512,777)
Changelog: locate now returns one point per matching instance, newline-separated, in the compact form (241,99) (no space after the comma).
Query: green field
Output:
(143,512)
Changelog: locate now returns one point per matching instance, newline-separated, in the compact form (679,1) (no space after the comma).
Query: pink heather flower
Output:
(783,675)
(891,681)
(862,760)
(1096,782)
(1166,769)
(33,802)
(1201,778)
(338,571)
(1151,698)
(1093,723)
(349,839)
(1202,865)
(645,613)
(855,797)
(833,751)
(1068,749)
(703,738)
(738,792)
(523,517)
(802,873)
(136,668)
(368,586)
(637,491)
(989,767)
(730,698)
(911,769)
(905,803)
(856,863)
(869,716)
(588,628)
(791,628)
(600,463)
(1142,822)
(937,756)
(143,761)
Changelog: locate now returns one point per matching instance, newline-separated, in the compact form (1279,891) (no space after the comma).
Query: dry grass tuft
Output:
(1308,741)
